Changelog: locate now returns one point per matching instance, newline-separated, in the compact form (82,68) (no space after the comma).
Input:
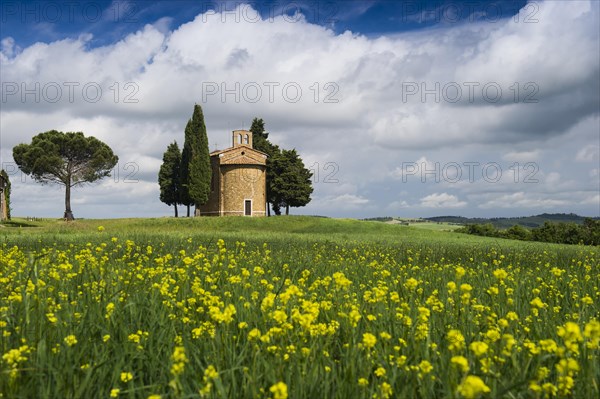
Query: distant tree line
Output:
(379,219)
(587,233)
(505,223)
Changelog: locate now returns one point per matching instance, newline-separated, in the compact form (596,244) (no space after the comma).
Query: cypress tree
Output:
(169,175)
(195,162)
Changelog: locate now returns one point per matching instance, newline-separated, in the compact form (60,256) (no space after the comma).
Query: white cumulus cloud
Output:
(442,200)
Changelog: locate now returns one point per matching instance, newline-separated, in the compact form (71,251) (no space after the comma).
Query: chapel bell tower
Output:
(242,137)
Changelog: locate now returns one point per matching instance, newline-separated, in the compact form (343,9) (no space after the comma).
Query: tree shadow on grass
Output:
(10,223)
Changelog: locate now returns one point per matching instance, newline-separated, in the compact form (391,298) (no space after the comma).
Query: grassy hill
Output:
(279,232)
(272,229)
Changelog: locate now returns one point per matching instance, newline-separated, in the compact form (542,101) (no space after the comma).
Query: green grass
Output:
(273,229)
(313,287)
(283,234)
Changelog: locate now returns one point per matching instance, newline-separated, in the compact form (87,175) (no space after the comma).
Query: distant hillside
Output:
(505,223)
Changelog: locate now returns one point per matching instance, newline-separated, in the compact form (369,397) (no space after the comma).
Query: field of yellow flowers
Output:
(113,317)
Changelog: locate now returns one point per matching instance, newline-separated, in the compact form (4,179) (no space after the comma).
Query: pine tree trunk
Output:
(188,210)
(175,206)
(287,210)
(68,213)
(268,209)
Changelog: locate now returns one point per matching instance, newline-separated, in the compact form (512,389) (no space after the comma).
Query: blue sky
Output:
(32,21)
(402,108)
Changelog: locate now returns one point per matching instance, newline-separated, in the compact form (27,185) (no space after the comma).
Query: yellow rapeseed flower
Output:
(472,387)
(548,345)
(425,367)
(126,376)
(570,332)
(567,366)
(13,357)
(341,280)
(537,303)
(354,317)
(369,340)
(591,332)
(279,316)
(51,317)
(211,372)
(411,283)
(479,348)
(70,340)
(587,300)
(179,360)
(254,334)
(451,287)
(109,310)
(493,335)
(565,384)
(512,316)
(456,341)
(466,287)
(279,390)
(500,274)
(386,390)
(461,362)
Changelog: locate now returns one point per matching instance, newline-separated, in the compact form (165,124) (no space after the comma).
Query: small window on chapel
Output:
(246,139)
(240,138)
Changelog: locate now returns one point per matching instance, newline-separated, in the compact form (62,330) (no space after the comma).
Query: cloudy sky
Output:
(412,108)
